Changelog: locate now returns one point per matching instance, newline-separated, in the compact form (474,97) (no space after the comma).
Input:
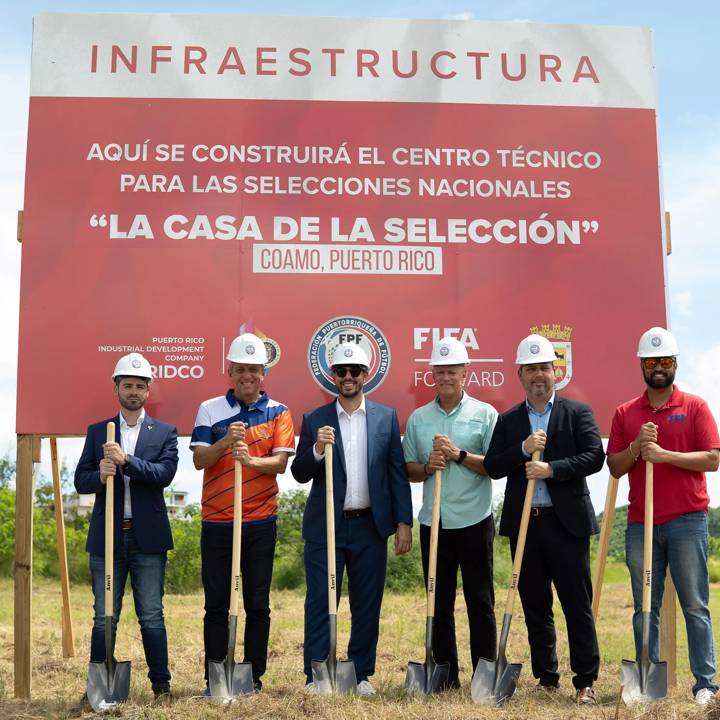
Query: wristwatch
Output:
(461,457)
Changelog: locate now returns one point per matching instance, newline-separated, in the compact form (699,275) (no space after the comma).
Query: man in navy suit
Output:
(562,517)
(144,460)
(372,501)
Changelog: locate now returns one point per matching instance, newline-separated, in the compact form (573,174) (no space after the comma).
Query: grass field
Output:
(58,683)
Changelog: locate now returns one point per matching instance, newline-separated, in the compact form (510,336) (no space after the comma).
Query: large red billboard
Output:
(316,180)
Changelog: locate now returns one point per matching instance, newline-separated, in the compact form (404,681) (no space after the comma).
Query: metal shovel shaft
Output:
(227,679)
(644,680)
(430,676)
(497,681)
(329,675)
(108,682)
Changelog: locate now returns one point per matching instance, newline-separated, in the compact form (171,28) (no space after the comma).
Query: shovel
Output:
(108,682)
(496,682)
(642,680)
(329,675)
(228,679)
(429,677)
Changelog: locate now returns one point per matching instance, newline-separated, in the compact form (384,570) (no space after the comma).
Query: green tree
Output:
(289,567)
(7,472)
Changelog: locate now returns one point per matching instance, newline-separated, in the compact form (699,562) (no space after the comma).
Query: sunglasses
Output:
(665,362)
(354,371)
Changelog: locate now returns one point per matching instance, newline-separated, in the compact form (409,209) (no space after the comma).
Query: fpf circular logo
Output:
(343,329)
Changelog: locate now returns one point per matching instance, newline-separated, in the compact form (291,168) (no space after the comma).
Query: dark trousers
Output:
(555,557)
(361,551)
(471,550)
(256,564)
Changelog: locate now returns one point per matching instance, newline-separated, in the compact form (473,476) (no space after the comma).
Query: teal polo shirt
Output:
(466,497)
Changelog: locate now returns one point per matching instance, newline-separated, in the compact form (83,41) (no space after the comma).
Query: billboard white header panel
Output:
(341,59)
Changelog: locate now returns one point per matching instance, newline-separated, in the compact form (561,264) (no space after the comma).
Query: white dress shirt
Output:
(128,441)
(353,430)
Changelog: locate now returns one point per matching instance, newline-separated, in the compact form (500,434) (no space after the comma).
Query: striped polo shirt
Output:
(269,430)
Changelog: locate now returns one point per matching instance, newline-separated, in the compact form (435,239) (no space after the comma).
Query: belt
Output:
(127,524)
(539,510)
(350,514)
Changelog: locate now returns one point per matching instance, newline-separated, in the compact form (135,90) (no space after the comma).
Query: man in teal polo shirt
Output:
(452,434)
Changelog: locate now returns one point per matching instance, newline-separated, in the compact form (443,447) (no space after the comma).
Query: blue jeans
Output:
(683,545)
(147,577)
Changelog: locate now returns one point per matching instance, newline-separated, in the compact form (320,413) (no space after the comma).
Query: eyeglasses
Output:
(665,362)
(354,370)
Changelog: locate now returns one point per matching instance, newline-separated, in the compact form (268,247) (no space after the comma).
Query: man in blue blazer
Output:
(372,501)
(144,460)
(562,518)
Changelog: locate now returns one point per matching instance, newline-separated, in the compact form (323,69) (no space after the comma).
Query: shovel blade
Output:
(345,678)
(426,678)
(344,682)
(103,691)
(637,689)
(321,677)
(228,681)
(494,684)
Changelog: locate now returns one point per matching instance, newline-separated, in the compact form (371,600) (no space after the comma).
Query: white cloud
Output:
(465,15)
(681,303)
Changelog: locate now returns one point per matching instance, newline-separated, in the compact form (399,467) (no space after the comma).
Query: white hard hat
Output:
(449,351)
(133,365)
(535,349)
(249,349)
(350,353)
(657,342)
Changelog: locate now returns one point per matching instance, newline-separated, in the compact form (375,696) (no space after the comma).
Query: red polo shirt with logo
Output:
(685,424)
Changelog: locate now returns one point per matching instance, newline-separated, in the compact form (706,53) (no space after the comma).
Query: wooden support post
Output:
(604,544)
(68,639)
(24,490)
(668,627)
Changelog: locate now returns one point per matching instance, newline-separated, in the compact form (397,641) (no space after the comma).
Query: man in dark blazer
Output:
(372,501)
(143,459)
(562,517)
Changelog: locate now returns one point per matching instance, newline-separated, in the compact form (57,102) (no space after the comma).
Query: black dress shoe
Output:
(162,692)
(82,706)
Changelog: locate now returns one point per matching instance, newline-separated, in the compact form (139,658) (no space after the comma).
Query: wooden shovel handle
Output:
(330,521)
(434,532)
(647,538)
(522,535)
(237,540)
(109,529)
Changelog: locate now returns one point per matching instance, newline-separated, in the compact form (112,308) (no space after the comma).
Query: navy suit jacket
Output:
(151,469)
(573,449)
(388,483)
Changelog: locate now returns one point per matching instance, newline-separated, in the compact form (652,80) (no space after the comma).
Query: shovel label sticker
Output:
(559,336)
(343,329)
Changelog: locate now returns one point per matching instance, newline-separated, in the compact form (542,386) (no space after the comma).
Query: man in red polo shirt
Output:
(677,433)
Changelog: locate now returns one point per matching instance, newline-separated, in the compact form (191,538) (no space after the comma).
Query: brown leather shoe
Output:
(585,696)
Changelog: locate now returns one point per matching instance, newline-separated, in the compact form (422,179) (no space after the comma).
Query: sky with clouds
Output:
(687,68)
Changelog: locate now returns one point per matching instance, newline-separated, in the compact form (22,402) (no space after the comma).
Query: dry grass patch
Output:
(58,683)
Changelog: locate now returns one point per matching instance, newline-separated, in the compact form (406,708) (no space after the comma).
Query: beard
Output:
(131,404)
(660,381)
(351,393)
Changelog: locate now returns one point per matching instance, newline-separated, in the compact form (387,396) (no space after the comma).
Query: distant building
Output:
(176,501)
(75,505)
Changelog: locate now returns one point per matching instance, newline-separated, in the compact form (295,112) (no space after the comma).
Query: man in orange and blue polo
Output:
(244,424)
